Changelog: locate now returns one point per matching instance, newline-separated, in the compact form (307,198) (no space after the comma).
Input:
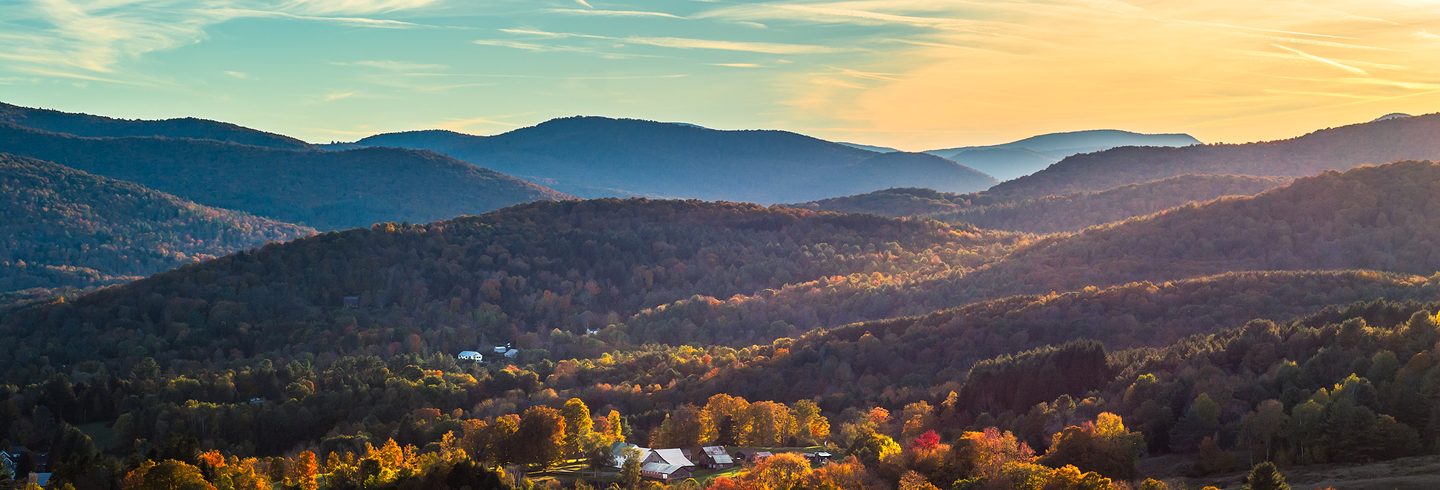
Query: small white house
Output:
(470,355)
(512,353)
(500,349)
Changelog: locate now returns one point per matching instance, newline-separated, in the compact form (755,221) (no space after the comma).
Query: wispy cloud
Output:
(338,96)
(666,42)
(752,47)
(613,13)
(737,65)
(96,35)
(1333,63)
(395,65)
(351,7)
(238,74)
(462,124)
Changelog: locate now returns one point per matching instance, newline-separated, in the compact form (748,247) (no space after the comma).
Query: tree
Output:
(167,475)
(597,453)
(1104,446)
(500,445)
(617,430)
(1265,476)
(303,470)
(630,469)
(683,427)
(873,447)
(577,425)
(540,437)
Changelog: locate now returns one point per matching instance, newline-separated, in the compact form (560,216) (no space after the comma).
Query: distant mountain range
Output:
(1384,140)
(599,157)
(323,189)
(100,126)
(60,227)
(1019,158)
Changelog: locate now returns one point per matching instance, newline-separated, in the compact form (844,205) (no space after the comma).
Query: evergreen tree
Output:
(1265,476)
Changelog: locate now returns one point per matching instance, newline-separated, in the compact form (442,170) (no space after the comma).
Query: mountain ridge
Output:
(590,155)
(89,125)
(1340,148)
(326,190)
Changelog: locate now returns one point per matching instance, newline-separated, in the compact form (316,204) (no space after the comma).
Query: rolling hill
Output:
(61,227)
(1380,218)
(1056,214)
(509,275)
(1019,158)
(1377,142)
(100,126)
(322,189)
(602,157)
(1049,214)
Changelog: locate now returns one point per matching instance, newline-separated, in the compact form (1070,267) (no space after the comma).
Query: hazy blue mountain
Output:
(60,227)
(322,189)
(1015,159)
(100,126)
(1341,148)
(603,157)
(876,149)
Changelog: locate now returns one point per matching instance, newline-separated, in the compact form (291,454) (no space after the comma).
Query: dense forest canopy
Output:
(1075,212)
(324,190)
(1380,218)
(1051,214)
(502,277)
(61,227)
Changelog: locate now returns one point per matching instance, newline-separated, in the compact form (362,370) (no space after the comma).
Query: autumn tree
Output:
(1104,446)
(577,425)
(683,427)
(540,438)
(303,469)
(166,475)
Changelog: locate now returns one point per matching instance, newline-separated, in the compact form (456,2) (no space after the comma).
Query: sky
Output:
(909,74)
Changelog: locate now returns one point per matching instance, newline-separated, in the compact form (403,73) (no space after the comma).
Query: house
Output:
(675,457)
(352,301)
(715,458)
(500,349)
(817,457)
(666,472)
(618,458)
(512,353)
(470,355)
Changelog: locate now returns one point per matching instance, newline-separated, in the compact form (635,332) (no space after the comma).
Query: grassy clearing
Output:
(103,437)
(1418,473)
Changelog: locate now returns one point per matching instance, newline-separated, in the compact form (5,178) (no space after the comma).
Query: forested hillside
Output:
(513,275)
(100,126)
(603,157)
(1381,218)
(61,227)
(1051,214)
(1056,214)
(1342,148)
(324,190)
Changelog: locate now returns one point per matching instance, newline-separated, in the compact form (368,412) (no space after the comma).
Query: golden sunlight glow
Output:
(1221,70)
